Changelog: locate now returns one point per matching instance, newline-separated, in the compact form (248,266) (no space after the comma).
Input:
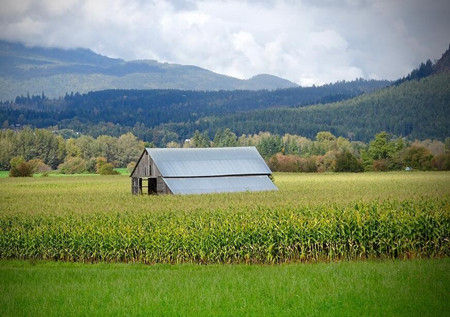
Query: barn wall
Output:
(162,186)
(143,167)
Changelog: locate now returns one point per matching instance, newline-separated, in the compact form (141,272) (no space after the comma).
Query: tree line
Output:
(42,150)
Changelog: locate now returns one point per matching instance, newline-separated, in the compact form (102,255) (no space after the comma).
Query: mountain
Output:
(56,72)
(95,112)
(416,109)
(443,64)
(428,68)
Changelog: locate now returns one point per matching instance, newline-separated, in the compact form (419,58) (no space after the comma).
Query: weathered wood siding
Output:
(162,186)
(146,167)
(135,190)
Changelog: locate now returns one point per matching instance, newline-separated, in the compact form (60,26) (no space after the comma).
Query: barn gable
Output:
(202,170)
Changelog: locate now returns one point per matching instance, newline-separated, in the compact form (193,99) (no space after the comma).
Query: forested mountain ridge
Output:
(57,71)
(428,68)
(414,109)
(154,107)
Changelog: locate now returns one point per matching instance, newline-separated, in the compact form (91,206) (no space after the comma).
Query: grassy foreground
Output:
(378,288)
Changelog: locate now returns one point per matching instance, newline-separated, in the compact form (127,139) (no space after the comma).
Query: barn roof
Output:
(204,162)
(205,185)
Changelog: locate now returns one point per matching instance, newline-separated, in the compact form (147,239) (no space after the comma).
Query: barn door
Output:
(152,189)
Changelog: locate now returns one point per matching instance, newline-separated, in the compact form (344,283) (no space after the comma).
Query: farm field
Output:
(378,243)
(312,217)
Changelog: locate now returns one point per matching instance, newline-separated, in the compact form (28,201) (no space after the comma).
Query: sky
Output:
(308,42)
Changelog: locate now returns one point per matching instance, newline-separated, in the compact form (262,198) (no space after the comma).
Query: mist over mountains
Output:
(415,106)
(54,71)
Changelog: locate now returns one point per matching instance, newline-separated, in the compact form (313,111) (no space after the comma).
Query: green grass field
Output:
(313,217)
(374,288)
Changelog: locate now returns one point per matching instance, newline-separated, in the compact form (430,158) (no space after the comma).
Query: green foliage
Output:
(20,168)
(384,147)
(39,166)
(31,144)
(105,168)
(269,145)
(52,150)
(130,167)
(225,138)
(200,140)
(417,157)
(72,165)
(383,153)
(347,162)
(325,136)
(441,162)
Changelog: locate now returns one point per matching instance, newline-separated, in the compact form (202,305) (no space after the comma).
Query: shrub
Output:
(39,166)
(292,163)
(381,165)
(130,167)
(308,165)
(105,168)
(327,162)
(347,162)
(91,165)
(417,157)
(284,163)
(72,165)
(20,168)
(441,162)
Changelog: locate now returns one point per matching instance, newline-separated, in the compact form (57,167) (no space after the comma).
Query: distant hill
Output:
(57,71)
(148,109)
(414,109)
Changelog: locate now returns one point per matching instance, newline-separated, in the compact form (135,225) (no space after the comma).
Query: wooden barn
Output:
(200,170)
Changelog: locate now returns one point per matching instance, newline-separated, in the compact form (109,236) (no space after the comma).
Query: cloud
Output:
(309,42)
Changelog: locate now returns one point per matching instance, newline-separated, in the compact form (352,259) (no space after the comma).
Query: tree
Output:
(270,145)
(441,162)
(129,149)
(417,157)
(20,168)
(325,136)
(347,162)
(105,168)
(225,138)
(200,140)
(383,148)
(72,165)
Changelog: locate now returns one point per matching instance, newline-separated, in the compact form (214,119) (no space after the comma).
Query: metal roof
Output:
(198,162)
(204,185)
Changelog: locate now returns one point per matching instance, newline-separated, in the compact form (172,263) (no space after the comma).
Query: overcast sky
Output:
(308,42)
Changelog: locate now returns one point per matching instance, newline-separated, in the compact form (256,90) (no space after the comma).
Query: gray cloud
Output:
(309,42)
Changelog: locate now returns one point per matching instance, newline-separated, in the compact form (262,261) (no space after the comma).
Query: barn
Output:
(200,170)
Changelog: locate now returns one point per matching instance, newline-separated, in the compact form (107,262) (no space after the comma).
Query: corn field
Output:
(236,228)
(364,230)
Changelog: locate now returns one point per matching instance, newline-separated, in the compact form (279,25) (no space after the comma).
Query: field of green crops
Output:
(313,217)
